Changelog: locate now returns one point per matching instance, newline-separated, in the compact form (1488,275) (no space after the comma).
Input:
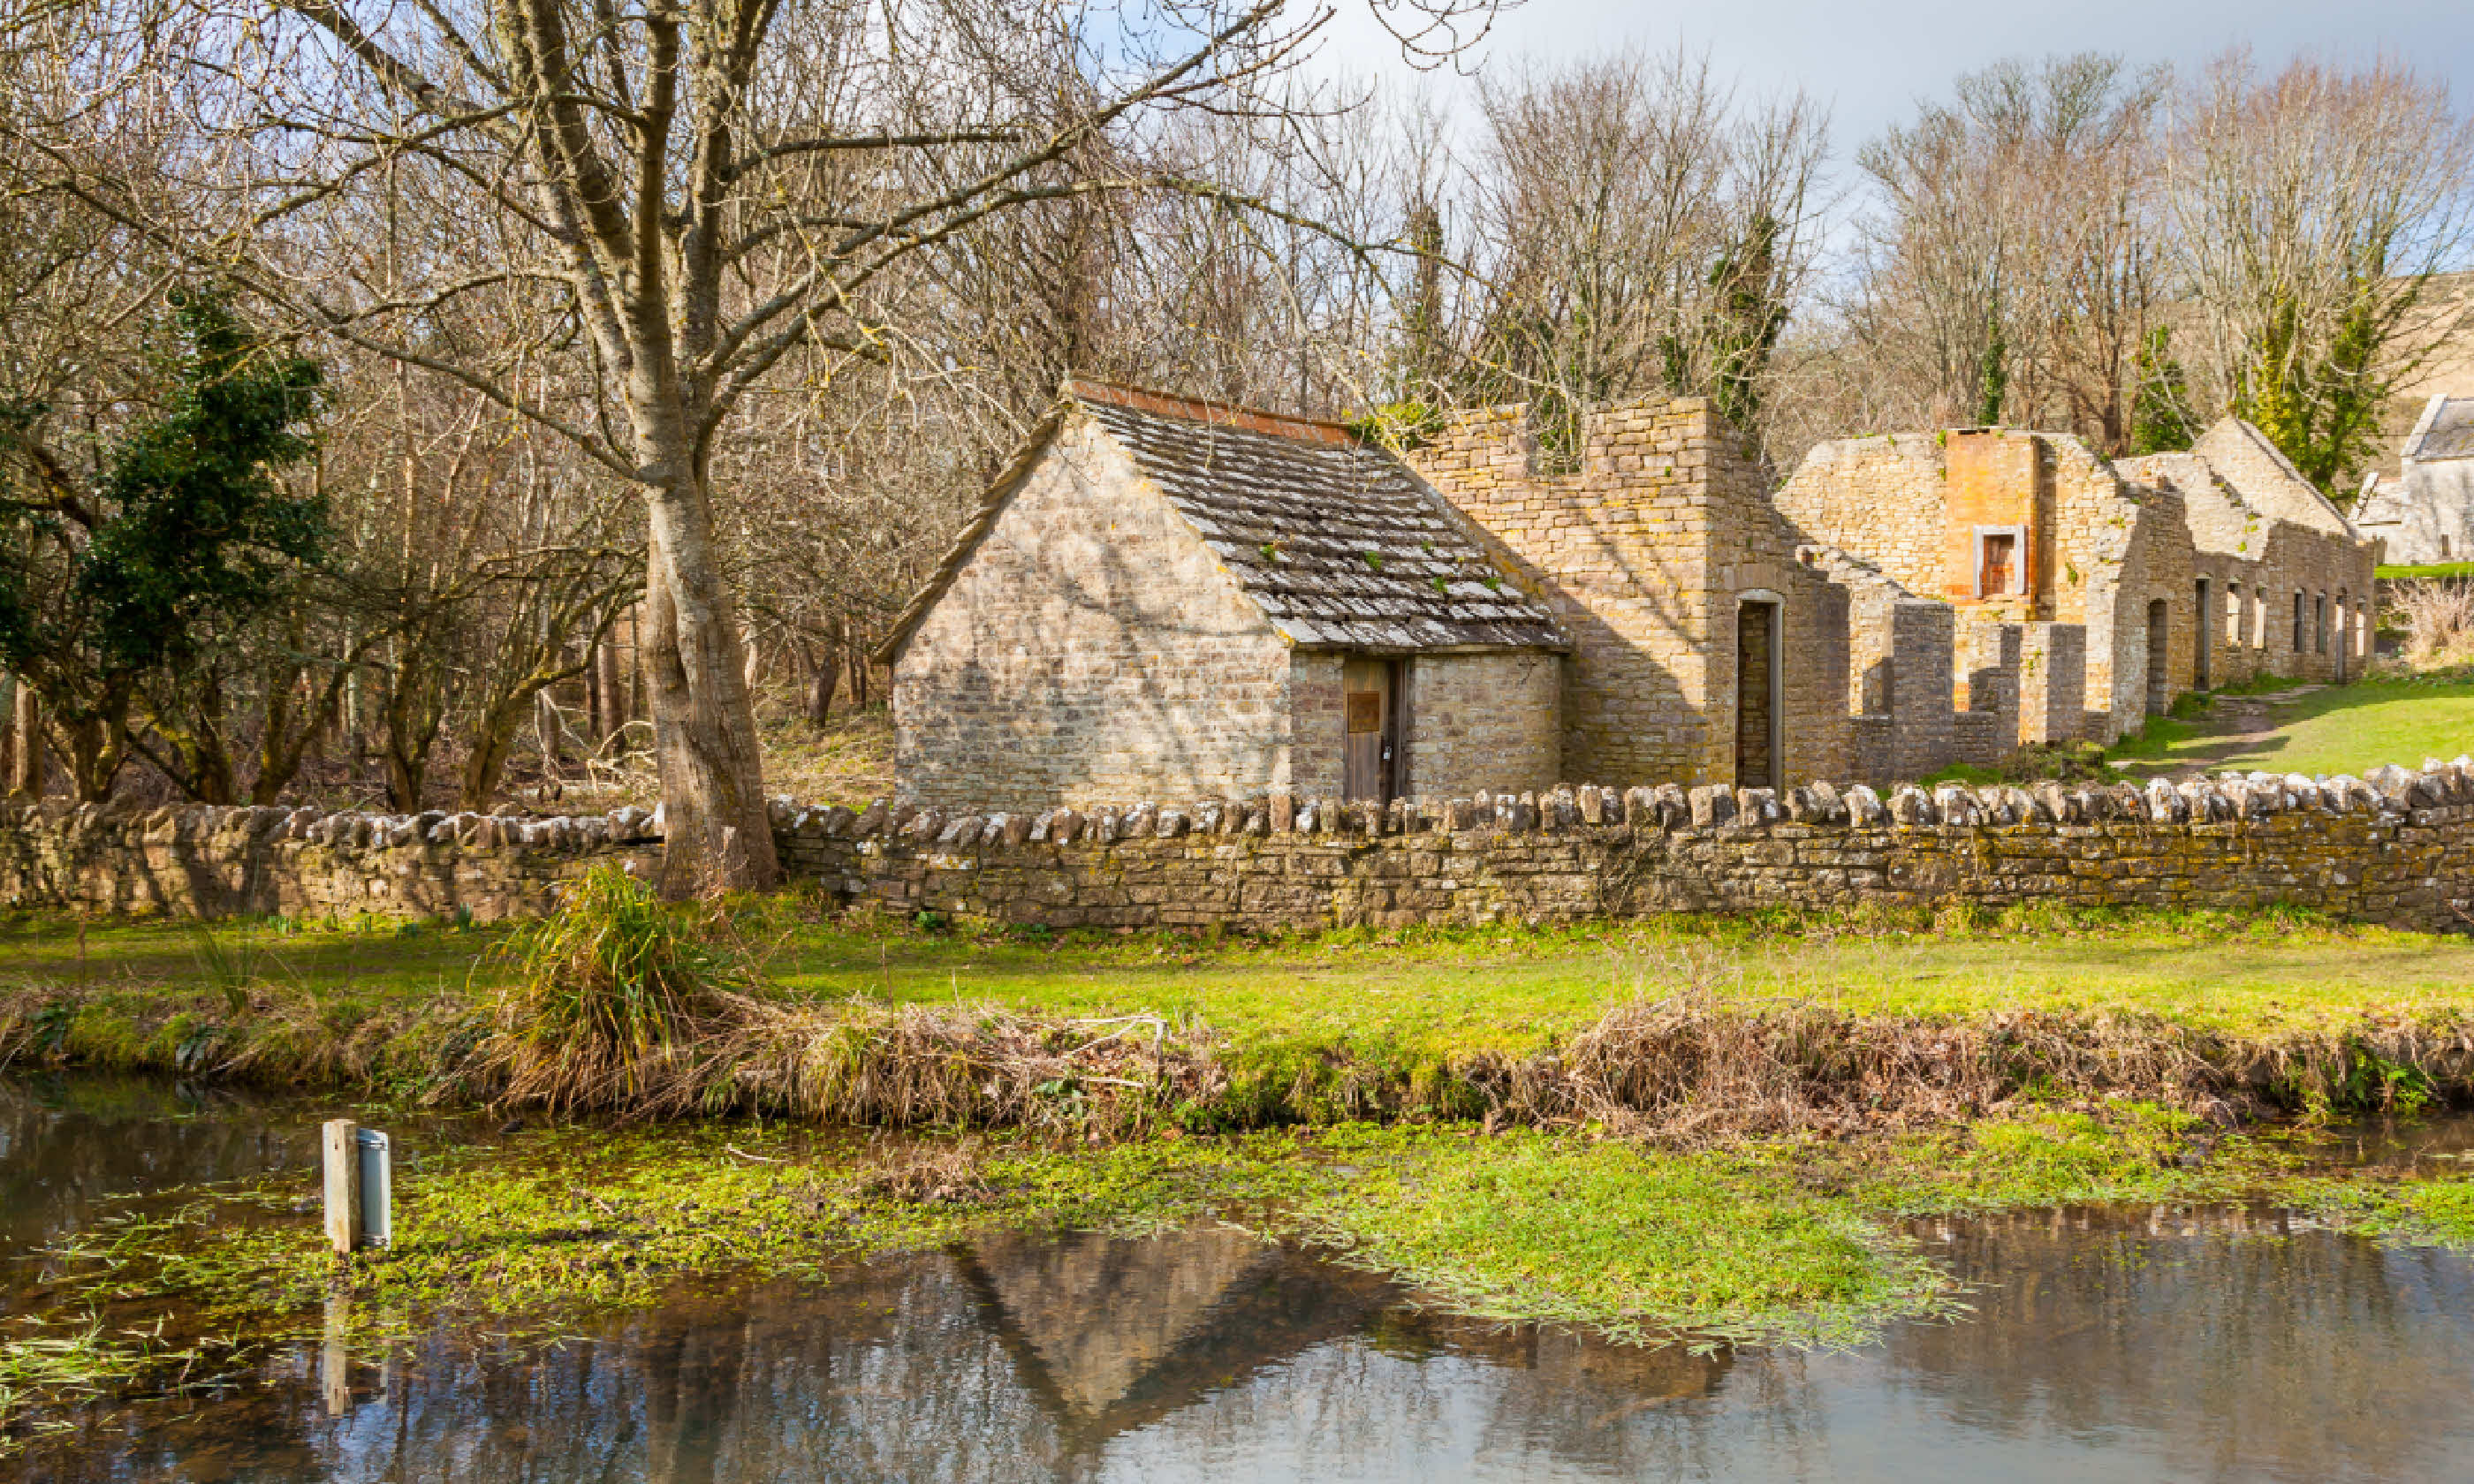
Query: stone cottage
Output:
(1172,600)
(2426,513)
(1166,599)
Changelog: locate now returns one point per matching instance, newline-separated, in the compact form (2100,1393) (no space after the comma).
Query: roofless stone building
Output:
(1169,599)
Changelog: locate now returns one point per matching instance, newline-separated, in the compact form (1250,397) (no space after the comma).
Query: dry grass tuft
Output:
(932,1174)
(2439,619)
(619,997)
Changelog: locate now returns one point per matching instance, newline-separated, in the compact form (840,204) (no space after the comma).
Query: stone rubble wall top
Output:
(2391,790)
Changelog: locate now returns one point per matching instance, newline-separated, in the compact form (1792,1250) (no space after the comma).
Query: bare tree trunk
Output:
(825,677)
(26,743)
(604,705)
(492,739)
(609,696)
(638,702)
(95,754)
(714,821)
(546,729)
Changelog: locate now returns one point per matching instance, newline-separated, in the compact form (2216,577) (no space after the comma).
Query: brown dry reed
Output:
(2437,619)
(638,1009)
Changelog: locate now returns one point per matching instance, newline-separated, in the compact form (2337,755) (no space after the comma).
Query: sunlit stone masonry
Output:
(2395,846)
(1167,598)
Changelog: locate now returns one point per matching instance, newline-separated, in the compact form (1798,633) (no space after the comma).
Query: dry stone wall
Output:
(209,862)
(2396,847)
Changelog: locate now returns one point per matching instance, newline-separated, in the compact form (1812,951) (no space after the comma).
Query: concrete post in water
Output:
(341,1146)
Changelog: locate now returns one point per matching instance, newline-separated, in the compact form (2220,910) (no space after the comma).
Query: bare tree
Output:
(675,196)
(2012,265)
(1633,228)
(2311,209)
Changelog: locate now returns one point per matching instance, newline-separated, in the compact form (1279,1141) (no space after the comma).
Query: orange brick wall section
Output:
(1997,479)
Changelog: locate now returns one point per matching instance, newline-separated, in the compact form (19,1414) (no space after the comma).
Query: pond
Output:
(2168,1344)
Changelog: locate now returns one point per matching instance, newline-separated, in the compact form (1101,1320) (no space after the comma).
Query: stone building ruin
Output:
(2085,595)
(1164,598)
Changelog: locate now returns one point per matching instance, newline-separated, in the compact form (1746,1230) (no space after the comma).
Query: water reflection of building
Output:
(1110,1333)
(1112,1336)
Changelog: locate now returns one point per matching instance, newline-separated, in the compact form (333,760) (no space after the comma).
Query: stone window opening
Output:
(2204,641)
(2320,622)
(2001,561)
(2300,628)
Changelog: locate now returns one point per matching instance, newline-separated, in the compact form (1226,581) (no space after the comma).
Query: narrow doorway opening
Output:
(2203,638)
(1758,706)
(2160,655)
(1370,715)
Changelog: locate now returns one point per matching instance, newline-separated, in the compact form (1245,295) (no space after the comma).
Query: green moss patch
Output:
(1629,1241)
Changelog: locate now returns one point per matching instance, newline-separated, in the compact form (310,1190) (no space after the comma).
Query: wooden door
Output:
(2001,553)
(1366,711)
(2160,679)
(1756,697)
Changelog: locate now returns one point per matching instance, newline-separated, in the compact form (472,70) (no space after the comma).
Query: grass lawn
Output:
(2431,572)
(1516,990)
(2341,728)
(1435,991)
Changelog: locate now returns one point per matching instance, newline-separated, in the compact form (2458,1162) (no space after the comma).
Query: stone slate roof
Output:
(2446,431)
(1334,538)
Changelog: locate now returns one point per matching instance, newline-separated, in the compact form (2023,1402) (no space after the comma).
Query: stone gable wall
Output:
(1091,648)
(1621,551)
(2103,546)
(1882,497)
(2396,847)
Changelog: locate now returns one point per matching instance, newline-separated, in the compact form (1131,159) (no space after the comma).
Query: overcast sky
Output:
(1871,59)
